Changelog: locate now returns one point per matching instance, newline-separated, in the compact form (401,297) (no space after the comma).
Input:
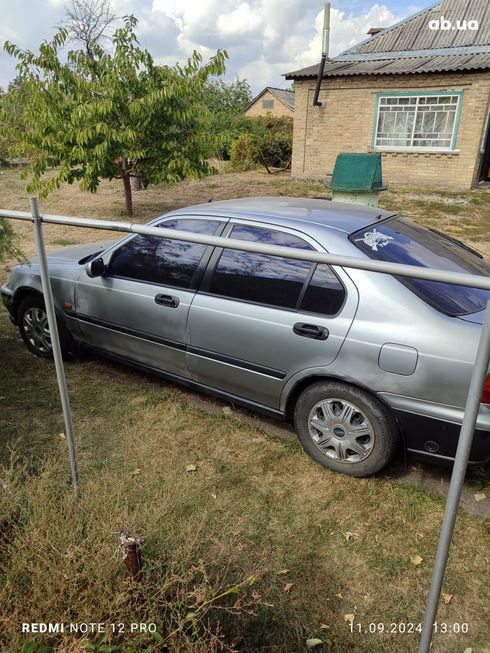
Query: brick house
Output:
(417,94)
(275,101)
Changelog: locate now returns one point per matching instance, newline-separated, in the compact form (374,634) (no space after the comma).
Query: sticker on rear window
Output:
(375,239)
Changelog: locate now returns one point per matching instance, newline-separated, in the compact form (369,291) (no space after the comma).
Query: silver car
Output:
(362,362)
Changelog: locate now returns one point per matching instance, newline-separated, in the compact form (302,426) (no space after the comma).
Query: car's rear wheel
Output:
(34,328)
(345,428)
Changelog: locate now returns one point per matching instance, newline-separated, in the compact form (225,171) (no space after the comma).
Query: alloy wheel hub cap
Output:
(341,431)
(36,329)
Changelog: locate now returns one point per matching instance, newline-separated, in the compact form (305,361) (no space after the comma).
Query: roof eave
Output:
(392,74)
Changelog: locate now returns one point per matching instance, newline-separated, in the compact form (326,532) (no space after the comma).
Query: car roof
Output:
(293,212)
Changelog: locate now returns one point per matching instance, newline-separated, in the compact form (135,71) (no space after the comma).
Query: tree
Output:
(87,22)
(12,101)
(3,141)
(8,237)
(227,97)
(226,102)
(112,115)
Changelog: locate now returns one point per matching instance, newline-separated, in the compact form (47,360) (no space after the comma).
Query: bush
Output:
(225,130)
(275,150)
(268,141)
(8,242)
(226,102)
(244,153)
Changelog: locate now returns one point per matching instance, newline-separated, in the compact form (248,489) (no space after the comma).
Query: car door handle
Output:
(310,331)
(167,300)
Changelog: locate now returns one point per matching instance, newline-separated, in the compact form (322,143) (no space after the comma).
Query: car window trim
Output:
(295,310)
(201,267)
(204,287)
(150,283)
(306,283)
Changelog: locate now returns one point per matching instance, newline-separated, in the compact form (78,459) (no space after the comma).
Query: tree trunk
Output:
(136,183)
(128,196)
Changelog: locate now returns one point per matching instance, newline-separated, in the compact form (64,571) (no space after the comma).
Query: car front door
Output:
(138,309)
(257,319)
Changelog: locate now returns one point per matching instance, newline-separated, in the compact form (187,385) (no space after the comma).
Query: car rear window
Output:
(400,241)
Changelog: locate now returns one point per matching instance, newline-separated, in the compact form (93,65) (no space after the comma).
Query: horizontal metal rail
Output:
(358,263)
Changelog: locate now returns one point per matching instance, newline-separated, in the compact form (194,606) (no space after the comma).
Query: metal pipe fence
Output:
(480,369)
(399,269)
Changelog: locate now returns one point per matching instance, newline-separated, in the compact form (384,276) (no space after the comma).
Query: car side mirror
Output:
(95,268)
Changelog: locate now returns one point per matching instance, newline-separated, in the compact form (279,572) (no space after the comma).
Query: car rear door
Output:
(138,309)
(257,320)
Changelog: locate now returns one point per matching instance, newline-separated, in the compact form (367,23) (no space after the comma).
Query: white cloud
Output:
(260,73)
(345,31)
(264,38)
(240,22)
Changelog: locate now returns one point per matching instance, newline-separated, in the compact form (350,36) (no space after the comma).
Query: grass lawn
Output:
(257,548)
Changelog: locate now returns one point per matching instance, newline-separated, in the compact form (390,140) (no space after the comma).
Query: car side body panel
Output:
(122,317)
(385,339)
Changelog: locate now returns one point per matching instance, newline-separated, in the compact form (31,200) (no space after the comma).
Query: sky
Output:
(264,38)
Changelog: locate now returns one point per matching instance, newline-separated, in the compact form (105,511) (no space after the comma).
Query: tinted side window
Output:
(162,260)
(261,278)
(325,294)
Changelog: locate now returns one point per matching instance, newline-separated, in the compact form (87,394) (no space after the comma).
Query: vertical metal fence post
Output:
(55,342)
(480,370)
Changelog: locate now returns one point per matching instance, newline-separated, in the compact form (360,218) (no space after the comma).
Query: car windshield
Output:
(399,241)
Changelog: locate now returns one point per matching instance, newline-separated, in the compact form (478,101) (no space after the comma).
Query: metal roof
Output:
(287,97)
(284,96)
(414,33)
(410,46)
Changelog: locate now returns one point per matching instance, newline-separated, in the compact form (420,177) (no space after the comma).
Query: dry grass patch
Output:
(464,214)
(254,506)
(108,202)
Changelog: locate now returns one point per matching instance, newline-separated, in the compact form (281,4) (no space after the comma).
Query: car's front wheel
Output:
(345,428)
(34,328)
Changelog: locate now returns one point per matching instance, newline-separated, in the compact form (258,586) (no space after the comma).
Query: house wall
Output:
(279,109)
(345,124)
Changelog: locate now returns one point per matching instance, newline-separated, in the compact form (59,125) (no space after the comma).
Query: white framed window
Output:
(267,104)
(417,121)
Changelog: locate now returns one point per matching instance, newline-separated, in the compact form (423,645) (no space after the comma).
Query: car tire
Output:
(345,429)
(33,326)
